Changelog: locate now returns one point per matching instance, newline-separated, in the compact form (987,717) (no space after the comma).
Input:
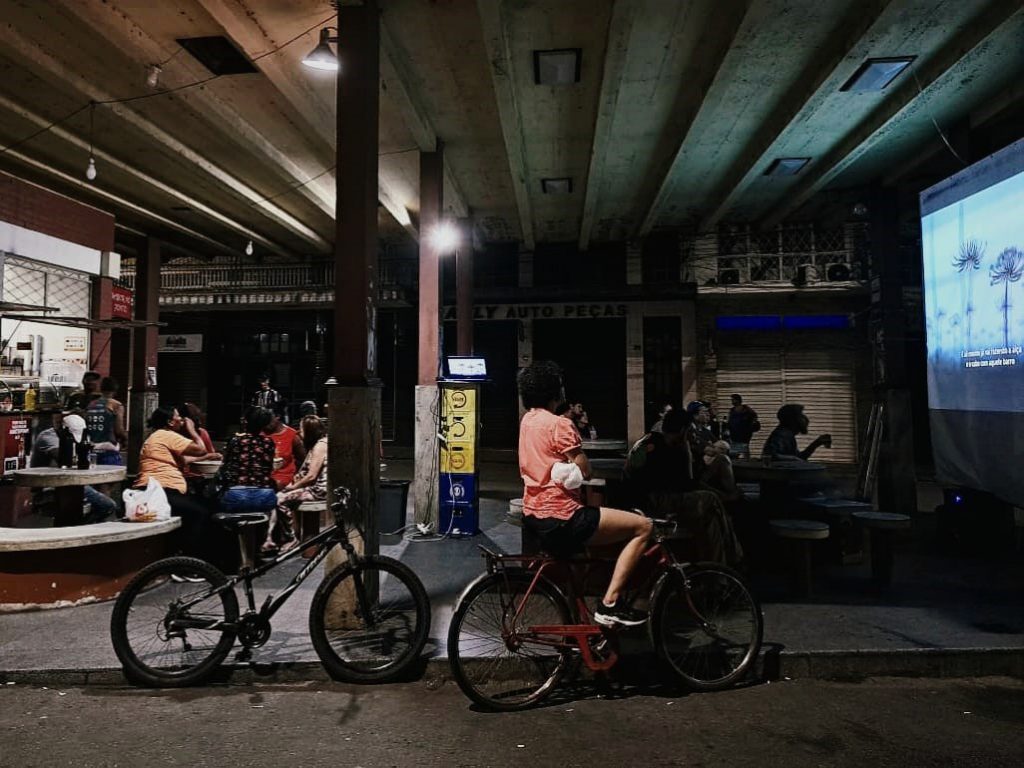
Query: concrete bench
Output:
(801,533)
(51,567)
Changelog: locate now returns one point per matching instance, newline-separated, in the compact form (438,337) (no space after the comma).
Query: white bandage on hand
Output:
(568,475)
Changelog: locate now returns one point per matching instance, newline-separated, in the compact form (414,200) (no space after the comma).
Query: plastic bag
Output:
(566,474)
(148,505)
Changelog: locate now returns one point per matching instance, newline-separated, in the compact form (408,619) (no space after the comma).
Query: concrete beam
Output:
(499,54)
(620,28)
(847,33)
(704,79)
(106,159)
(118,28)
(295,84)
(46,63)
(865,136)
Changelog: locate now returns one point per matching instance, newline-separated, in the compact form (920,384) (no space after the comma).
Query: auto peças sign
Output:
(541,311)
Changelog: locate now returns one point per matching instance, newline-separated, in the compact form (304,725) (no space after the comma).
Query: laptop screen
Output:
(466,367)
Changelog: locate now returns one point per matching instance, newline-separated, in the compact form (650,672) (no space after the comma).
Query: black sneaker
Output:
(610,615)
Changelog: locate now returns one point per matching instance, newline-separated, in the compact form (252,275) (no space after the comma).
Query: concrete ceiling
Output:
(680,108)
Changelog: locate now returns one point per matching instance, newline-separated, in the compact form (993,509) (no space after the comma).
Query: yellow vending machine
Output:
(458,433)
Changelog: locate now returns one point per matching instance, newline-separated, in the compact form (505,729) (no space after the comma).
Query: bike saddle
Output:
(234,521)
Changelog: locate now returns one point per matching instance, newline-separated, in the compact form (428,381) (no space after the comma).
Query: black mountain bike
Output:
(178,619)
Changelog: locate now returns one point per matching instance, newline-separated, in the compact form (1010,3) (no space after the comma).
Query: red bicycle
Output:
(524,625)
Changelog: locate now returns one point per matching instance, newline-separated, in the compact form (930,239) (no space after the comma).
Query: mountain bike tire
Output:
(354,650)
(139,631)
(493,674)
(719,651)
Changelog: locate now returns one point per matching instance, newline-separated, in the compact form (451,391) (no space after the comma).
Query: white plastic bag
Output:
(566,474)
(148,505)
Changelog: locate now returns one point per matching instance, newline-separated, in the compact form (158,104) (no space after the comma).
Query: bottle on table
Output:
(84,450)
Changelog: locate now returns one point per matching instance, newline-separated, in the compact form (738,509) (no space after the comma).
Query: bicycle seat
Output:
(235,521)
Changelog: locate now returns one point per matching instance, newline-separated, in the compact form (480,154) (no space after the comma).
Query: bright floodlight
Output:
(445,237)
(322,57)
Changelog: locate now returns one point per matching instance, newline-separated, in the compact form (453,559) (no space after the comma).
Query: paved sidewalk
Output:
(943,616)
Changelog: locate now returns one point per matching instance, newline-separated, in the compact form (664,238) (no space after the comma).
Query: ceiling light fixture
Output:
(557,67)
(876,74)
(90,169)
(248,248)
(786,166)
(557,186)
(153,78)
(445,237)
(322,57)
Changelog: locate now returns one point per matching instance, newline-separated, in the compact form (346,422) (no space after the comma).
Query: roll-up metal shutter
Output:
(821,379)
(754,373)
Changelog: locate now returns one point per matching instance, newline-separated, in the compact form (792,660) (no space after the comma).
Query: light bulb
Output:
(445,237)
(153,78)
(248,248)
(90,171)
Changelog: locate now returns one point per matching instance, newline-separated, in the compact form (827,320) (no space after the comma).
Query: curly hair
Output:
(540,384)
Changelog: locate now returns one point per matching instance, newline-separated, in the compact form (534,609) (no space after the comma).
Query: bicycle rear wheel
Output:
(710,634)
(499,666)
(369,623)
(158,640)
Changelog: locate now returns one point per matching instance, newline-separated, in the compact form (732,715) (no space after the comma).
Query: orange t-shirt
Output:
(283,444)
(544,439)
(161,458)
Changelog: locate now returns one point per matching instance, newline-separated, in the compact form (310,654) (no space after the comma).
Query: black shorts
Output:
(564,538)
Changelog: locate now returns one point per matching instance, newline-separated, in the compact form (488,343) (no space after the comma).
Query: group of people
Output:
(681,469)
(266,466)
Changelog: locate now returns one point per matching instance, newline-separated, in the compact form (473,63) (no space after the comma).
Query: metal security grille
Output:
(821,379)
(28,283)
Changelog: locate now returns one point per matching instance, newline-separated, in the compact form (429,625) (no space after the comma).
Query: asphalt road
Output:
(884,722)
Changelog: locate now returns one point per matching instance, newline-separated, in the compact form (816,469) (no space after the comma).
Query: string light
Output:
(153,78)
(248,248)
(90,169)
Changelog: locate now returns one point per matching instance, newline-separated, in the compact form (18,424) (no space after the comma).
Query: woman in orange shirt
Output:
(553,511)
(289,452)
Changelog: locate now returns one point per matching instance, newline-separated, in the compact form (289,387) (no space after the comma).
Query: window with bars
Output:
(52,287)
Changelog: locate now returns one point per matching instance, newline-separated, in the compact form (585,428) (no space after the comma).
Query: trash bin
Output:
(391,501)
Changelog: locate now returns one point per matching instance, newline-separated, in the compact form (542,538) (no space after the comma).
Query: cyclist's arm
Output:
(579,458)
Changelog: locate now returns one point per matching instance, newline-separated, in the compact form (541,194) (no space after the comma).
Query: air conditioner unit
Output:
(729,276)
(839,272)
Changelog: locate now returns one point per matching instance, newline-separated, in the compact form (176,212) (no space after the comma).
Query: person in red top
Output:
(551,506)
(289,451)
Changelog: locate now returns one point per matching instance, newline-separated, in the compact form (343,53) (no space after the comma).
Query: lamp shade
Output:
(322,57)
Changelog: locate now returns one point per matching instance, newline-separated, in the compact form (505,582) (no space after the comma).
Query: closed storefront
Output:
(818,374)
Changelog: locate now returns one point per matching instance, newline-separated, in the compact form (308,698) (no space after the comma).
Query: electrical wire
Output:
(942,134)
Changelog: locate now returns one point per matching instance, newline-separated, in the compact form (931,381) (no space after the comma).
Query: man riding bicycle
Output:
(551,505)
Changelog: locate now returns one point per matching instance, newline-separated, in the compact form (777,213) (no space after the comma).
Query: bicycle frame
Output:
(323,541)
(655,563)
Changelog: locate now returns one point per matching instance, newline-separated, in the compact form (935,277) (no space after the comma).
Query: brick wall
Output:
(33,207)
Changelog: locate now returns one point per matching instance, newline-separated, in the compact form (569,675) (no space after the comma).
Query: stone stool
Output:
(308,519)
(515,511)
(882,528)
(801,533)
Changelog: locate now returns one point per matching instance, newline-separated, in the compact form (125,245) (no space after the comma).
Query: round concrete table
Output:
(779,480)
(69,485)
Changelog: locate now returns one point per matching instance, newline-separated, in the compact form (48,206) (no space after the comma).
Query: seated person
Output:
(658,470)
(192,411)
(310,482)
(553,512)
(246,472)
(163,458)
(699,434)
(665,408)
(717,475)
(45,450)
(104,416)
(781,443)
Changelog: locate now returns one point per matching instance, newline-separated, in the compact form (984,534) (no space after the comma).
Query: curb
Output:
(777,665)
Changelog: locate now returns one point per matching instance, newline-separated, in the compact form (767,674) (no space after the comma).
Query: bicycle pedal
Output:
(243,655)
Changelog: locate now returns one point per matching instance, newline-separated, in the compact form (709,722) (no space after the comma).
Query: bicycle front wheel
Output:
(498,662)
(709,633)
(170,626)
(369,623)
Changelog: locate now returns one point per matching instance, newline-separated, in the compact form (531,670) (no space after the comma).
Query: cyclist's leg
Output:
(617,525)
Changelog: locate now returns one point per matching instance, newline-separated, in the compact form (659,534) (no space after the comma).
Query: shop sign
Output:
(74,344)
(180,342)
(14,433)
(121,303)
(541,311)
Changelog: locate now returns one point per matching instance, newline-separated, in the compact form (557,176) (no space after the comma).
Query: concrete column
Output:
(897,482)
(424,488)
(525,351)
(688,317)
(526,269)
(634,263)
(464,291)
(99,340)
(354,402)
(635,426)
(143,396)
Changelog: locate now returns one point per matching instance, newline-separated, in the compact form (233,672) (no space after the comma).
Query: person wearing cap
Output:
(781,443)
